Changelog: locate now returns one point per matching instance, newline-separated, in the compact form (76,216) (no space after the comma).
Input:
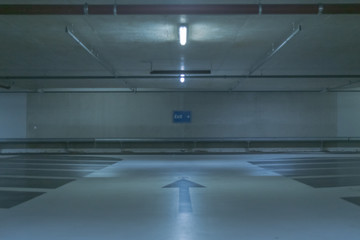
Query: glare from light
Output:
(185,227)
(183,35)
(182,78)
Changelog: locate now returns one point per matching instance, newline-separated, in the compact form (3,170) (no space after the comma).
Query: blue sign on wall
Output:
(181,116)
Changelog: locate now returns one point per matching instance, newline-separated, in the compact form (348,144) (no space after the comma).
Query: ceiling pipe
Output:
(175,76)
(5,87)
(269,55)
(346,85)
(92,53)
(274,51)
(155,9)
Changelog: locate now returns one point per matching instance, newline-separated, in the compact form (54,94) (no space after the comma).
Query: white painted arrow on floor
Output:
(184,193)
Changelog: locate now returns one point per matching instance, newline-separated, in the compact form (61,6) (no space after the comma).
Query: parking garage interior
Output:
(179,120)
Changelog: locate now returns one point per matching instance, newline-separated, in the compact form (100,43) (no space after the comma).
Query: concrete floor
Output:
(180,197)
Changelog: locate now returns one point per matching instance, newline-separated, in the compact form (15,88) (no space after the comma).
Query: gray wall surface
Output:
(12,115)
(149,115)
(348,115)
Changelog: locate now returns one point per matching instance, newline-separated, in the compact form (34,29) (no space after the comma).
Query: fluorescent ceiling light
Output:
(183,35)
(182,78)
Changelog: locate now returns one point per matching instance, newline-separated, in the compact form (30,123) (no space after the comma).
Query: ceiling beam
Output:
(175,76)
(144,90)
(196,9)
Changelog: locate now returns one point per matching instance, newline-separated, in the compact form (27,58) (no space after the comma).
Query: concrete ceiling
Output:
(38,55)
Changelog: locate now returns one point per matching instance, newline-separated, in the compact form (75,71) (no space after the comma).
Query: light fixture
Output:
(183,35)
(182,78)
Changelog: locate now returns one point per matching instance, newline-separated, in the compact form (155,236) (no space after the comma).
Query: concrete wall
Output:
(348,115)
(149,115)
(12,115)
